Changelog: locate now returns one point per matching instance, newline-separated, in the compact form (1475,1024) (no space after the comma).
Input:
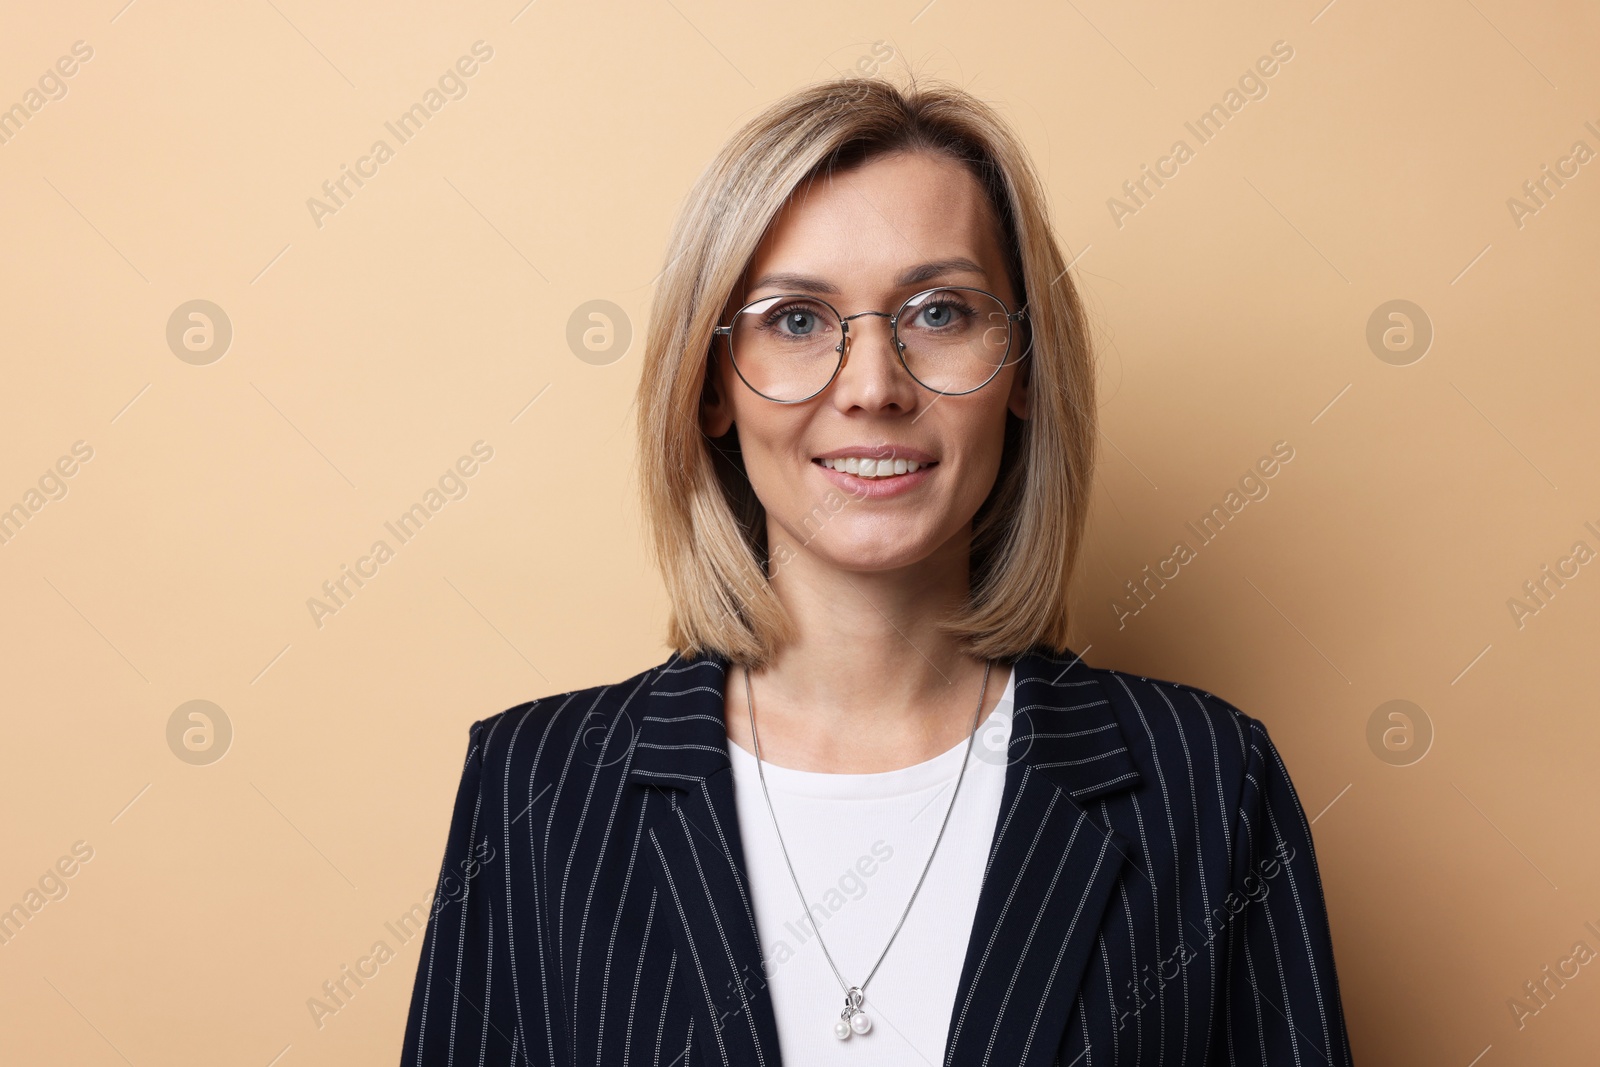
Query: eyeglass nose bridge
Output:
(844,333)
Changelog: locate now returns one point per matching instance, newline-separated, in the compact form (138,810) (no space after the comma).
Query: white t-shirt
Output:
(858,843)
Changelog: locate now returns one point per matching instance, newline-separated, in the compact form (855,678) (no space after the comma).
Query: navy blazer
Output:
(1151,894)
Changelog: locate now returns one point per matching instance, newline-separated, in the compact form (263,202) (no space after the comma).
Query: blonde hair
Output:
(706,528)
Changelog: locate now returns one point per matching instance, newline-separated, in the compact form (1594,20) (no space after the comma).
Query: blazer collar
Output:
(683,736)
(1051,870)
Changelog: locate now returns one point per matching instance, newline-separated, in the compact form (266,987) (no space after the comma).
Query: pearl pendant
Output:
(852,1020)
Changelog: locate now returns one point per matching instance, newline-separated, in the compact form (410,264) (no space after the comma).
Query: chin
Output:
(888,554)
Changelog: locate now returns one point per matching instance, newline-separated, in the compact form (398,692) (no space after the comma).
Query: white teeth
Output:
(872,468)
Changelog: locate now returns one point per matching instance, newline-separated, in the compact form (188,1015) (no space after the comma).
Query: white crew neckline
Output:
(993,735)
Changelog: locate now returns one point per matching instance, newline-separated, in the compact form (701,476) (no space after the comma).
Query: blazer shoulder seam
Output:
(1207,697)
(592,698)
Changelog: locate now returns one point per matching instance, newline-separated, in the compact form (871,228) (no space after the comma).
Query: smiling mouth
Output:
(874,468)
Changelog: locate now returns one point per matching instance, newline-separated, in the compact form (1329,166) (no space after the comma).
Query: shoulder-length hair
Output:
(706,528)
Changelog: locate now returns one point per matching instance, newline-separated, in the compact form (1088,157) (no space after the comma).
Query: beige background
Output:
(431,310)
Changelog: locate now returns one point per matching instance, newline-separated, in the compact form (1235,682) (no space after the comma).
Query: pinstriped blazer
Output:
(1151,894)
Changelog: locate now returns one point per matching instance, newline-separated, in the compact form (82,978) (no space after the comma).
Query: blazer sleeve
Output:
(460,1002)
(1280,1000)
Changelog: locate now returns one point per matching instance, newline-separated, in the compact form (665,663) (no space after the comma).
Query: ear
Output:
(716,413)
(1018,402)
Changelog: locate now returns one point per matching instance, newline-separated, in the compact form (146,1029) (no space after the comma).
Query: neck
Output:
(869,684)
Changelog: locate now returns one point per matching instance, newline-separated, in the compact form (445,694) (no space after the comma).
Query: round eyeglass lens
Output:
(954,339)
(786,347)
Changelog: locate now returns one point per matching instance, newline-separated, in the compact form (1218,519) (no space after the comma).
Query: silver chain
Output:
(750,704)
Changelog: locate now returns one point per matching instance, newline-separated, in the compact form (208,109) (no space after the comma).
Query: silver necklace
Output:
(852,1018)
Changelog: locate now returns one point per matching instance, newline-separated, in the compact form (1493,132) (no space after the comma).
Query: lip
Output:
(877,488)
(906,452)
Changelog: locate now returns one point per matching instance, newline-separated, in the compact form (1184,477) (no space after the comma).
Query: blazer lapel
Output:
(1051,869)
(692,835)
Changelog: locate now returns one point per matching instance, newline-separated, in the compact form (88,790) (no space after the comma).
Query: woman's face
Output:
(851,241)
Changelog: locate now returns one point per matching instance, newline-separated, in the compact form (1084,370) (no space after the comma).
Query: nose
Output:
(871,375)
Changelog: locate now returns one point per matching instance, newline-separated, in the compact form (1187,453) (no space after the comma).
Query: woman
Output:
(873,809)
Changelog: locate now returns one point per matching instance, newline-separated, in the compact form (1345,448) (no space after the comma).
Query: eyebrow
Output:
(806,283)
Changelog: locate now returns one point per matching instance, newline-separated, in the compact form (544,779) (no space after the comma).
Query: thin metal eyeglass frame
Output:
(1021,315)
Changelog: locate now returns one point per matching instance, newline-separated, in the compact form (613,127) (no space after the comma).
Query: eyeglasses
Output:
(951,340)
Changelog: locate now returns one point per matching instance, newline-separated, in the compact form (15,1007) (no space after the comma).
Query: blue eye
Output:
(944,312)
(799,322)
(794,321)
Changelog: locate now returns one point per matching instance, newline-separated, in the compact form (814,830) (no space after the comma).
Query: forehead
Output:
(858,228)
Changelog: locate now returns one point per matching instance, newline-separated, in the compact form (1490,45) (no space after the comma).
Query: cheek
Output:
(983,431)
(764,470)
(983,437)
(766,442)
